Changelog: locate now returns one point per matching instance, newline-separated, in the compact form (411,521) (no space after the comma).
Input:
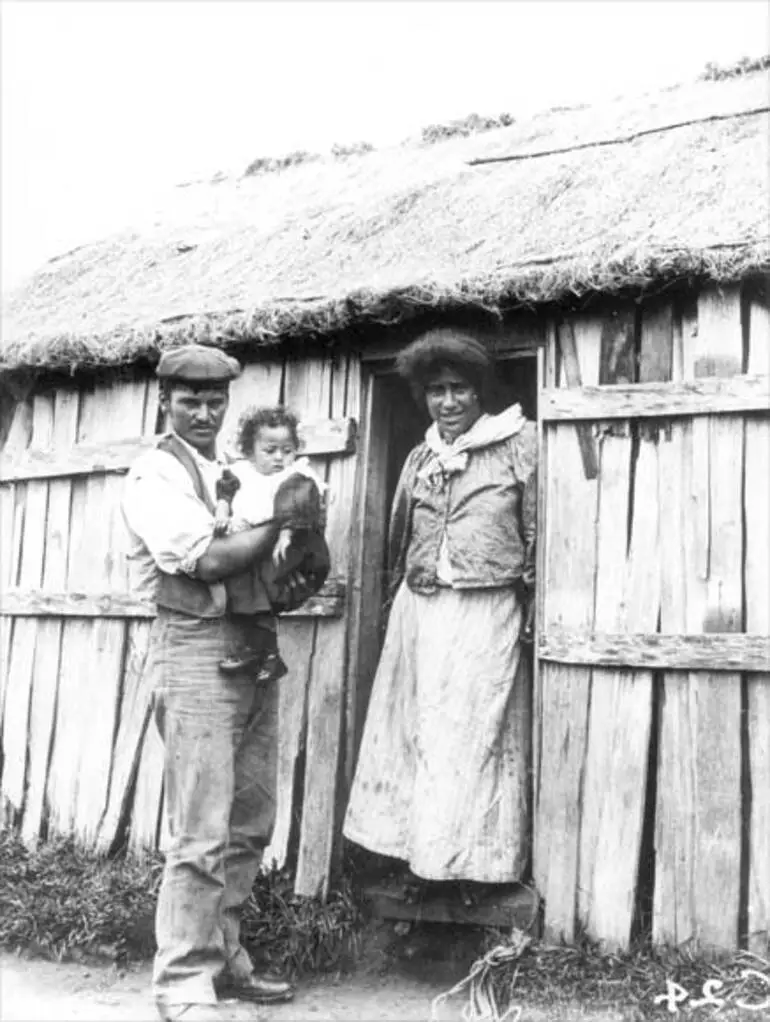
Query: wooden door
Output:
(651,637)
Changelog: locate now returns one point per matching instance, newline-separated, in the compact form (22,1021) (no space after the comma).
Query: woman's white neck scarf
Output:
(452,458)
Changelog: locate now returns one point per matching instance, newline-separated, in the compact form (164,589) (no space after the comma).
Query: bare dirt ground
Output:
(32,990)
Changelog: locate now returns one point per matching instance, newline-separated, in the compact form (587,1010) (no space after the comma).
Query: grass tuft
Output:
(60,902)
(631,980)
(745,66)
(302,936)
(473,124)
(276,164)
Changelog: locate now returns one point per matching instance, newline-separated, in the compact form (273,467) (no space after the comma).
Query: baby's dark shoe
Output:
(272,669)
(236,663)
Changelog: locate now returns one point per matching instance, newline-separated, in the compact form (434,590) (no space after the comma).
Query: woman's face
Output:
(452,403)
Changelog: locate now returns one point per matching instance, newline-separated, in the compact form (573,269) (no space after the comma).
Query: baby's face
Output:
(274,450)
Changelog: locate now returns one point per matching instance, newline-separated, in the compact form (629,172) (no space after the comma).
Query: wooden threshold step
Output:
(512,906)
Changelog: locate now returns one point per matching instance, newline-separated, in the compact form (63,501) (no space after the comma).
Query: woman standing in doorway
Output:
(443,774)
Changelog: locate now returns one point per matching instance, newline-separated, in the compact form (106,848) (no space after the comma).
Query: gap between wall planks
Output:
(620,720)
(326,692)
(31,539)
(47,670)
(698,812)
(570,567)
(757,596)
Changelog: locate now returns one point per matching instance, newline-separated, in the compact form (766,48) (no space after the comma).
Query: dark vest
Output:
(181,592)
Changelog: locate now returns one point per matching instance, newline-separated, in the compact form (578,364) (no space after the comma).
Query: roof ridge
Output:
(618,141)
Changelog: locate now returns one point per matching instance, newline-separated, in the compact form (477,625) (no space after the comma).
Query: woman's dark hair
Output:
(447,348)
(255,419)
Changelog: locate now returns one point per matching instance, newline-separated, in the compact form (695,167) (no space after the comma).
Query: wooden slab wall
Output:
(567,599)
(657,544)
(326,696)
(626,599)
(698,813)
(81,755)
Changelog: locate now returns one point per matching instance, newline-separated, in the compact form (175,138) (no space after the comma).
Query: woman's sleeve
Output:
(524,449)
(399,531)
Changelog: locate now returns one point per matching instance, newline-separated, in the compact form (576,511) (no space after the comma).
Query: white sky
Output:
(106,105)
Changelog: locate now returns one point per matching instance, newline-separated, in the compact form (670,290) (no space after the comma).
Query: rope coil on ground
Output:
(482,1003)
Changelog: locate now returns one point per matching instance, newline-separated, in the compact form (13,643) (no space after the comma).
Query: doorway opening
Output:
(395,426)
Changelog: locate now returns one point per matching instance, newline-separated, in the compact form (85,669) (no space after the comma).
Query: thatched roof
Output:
(681,192)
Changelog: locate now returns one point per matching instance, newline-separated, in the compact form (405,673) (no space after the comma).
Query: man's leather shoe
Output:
(256,988)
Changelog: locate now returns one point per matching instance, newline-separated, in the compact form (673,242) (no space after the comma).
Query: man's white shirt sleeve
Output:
(162,510)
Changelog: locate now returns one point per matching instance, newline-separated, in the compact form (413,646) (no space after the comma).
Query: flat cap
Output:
(197,363)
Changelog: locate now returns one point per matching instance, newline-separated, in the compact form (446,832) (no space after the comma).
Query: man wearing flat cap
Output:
(219,732)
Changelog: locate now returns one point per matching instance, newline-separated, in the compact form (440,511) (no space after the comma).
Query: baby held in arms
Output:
(268,483)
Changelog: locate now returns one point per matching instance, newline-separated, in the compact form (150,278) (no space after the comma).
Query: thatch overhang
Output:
(628,196)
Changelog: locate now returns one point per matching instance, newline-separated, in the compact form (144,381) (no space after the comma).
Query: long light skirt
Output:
(443,772)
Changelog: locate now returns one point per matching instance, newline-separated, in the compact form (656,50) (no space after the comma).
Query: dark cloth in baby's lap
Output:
(297,506)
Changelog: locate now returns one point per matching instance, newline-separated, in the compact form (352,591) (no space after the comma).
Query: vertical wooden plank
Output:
(122,413)
(143,832)
(326,693)
(627,599)
(757,594)
(49,631)
(134,716)
(22,652)
(568,601)
(306,390)
(134,720)
(93,651)
(698,829)
(11,523)
(611,541)
(570,362)
(364,606)
(673,901)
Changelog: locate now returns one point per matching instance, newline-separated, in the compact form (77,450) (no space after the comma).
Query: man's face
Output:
(196,413)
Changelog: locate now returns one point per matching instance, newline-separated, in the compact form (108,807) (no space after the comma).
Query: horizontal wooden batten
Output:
(320,438)
(329,602)
(707,396)
(712,651)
